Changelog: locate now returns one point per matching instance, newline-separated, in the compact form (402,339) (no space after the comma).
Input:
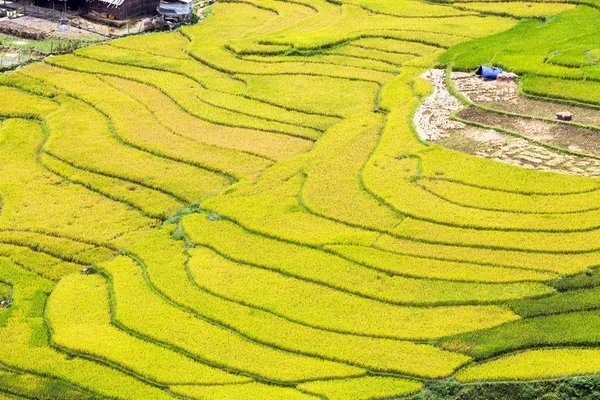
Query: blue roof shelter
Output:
(488,72)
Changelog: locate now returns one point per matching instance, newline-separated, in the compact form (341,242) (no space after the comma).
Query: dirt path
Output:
(433,117)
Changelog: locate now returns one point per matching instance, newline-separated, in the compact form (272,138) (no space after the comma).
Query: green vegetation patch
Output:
(577,328)
(573,300)
(40,388)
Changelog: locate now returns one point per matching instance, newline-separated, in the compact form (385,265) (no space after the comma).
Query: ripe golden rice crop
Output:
(253,390)
(85,326)
(373,54)
(34,197)
(534,364)
(152,202)
(470,250)
(492,199)
(432,268)
(368,387)
(184,90)
(337,311)
(242,208)
(144,311)
(320,267)
(167,270)
(286,218)
(41,263)
(166,44)
(16,103)
(394,46)
(89,136)
(270,146)
(24,344)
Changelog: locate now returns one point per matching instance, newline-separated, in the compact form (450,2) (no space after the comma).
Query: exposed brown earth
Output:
(434,123)
(503,96)
(567,136)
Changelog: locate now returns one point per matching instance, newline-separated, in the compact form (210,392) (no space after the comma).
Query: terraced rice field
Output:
(262,221)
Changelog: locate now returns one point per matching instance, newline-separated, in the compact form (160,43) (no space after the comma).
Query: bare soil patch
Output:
(503,95)
(36,28)
(563,135)
(433,122)
(546,109)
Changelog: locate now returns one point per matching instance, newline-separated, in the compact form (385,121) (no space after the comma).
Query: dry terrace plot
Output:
(257,218)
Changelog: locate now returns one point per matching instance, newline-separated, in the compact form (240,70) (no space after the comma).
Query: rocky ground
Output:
(433,117)
(480,91)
